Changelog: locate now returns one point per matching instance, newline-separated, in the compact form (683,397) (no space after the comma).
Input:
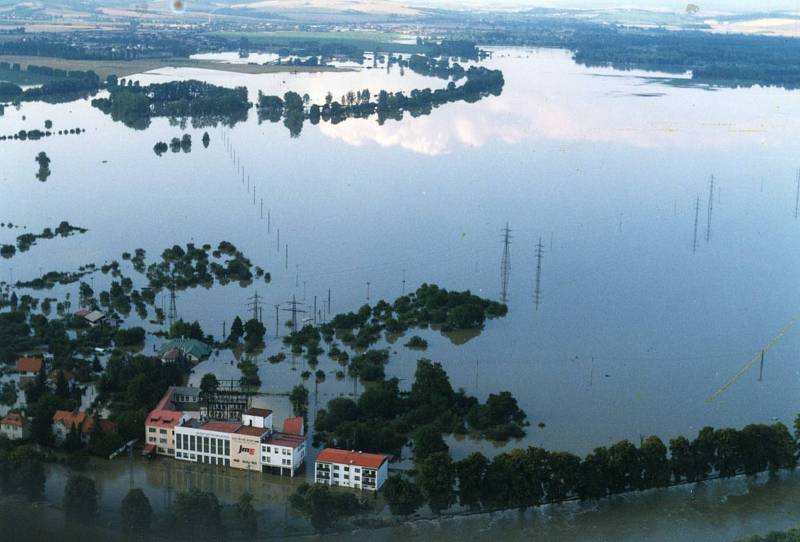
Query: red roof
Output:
(345,457)
(163,418)
(29,365)
(220,427)
(293,426)
(171,354)
(260,412)
(286,440)
(84,421)
(251,431)
(13,418)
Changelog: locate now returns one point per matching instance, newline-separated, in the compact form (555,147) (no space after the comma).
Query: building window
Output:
(162,431)
(205,445)
(357,478)
(227,447)
(151,429)
(213,446)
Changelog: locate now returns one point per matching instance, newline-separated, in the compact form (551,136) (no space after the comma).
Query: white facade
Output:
(202,446)
(283,452)
(14,431)
(347,472)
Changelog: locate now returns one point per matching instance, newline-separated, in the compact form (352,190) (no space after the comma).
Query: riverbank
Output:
(124,68)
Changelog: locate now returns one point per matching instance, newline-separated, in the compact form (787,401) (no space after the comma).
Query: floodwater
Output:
(634,331)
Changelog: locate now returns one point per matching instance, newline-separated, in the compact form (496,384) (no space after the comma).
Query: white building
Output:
(14,426)
(353,469)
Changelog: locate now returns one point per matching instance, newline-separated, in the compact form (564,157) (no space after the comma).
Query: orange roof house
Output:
(29,365)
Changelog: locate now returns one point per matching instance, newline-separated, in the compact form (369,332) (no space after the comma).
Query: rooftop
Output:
(13,418)
(348,457)
(293,426)
(251,431)
(286,440)
(95,316)
(29,365)
(192,347)
(260,412)
(220,427)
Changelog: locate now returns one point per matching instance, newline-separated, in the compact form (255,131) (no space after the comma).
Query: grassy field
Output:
(123,68)
(368,41)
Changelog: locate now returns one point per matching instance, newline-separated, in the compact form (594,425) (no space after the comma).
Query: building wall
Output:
(207,447)
(162,437)
(352,476)
(13,432)
(245,452)
(283,456)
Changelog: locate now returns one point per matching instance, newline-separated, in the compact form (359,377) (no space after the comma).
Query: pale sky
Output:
(671,5)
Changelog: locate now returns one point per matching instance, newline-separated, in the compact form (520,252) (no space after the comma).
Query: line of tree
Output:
(529,477)
(480,83)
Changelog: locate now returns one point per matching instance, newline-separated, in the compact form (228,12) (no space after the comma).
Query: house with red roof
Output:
(29,367)
(14,426)
(294,426)
(65,420)
(160,424)
(349,468)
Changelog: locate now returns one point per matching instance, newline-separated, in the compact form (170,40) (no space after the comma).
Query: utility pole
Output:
(315,307)
(254,304)
(294,310)
(404,281)
(537,296)
(696,218)
(367,291)
(269,225)
(761,367)
(286,257)
(505,264)
(262,211)
(224,332)
(172,315)
(278,245)
(797,196)
(277,318)
(710,208)
(329,301)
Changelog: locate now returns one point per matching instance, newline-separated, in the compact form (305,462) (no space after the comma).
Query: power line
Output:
(537,295)
(696,218)
(505,264)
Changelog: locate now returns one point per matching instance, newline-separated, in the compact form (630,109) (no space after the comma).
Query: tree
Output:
(655,466)
(403,496)
(136,515)
(62,387)
(594,476)
(198,515)
(246,514)
(319,377)
(209,383)
(299,399)
(237,331)
(435,476)
(682,460)
(623,466)
(427,441)
(324,507)
(73,441)
(254,335)
(470,472)
(80,498)
(206,139)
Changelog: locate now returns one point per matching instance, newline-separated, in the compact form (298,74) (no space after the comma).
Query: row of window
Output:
(203,444)
(204,459)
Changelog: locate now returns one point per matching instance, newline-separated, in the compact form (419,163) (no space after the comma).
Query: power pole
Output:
(172,315)
(254,304)
(315,308)
(224,332)
(761,367)
(277,318)
(505,264)
(710,208)
(286,257)
(295,311)
(404,281)
(537,296)
(696,218)
(797,196)
(367,291)
(329,301)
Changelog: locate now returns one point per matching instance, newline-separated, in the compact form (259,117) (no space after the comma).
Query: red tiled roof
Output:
(82,312)
(251,431)
(261,412)
(29,365)
(84,421)
(171,354)
(293,426)
(13,418)
(163,418)
(220,427)
(283,439)
(346,457)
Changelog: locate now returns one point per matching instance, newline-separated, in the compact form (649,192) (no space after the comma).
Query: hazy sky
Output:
(672,5)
